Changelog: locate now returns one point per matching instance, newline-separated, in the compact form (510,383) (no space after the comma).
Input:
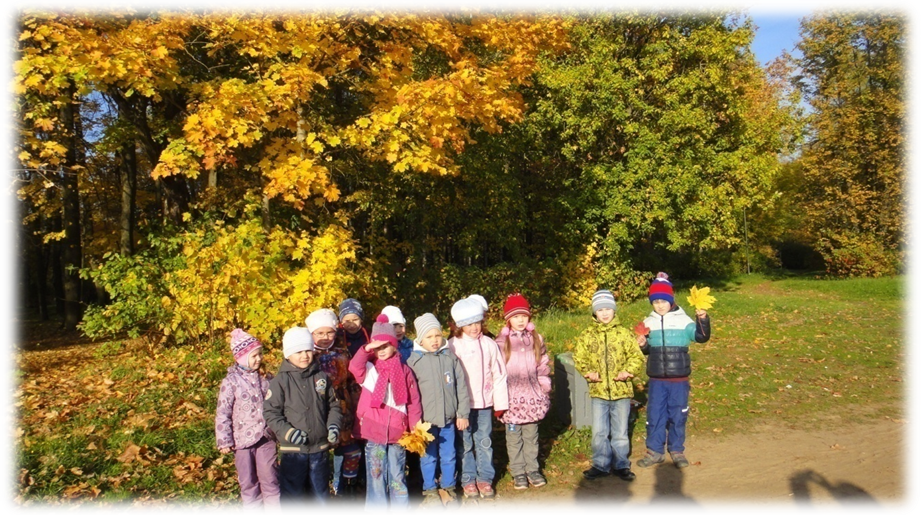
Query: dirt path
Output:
(848,465)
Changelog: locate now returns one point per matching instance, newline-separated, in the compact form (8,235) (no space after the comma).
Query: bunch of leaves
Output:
(418,438)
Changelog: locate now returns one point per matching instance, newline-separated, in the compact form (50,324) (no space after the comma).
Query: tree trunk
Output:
(71,256)
(129,169)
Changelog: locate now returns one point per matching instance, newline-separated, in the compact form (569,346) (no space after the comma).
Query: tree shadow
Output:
(841,491)
(669,486)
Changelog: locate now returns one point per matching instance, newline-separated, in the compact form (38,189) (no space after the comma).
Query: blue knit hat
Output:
(661,289)
(350,306)
(603,299)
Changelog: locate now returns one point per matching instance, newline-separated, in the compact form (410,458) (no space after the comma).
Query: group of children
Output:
(358,393)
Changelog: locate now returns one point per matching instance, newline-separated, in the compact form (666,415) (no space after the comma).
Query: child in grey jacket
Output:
(445,398)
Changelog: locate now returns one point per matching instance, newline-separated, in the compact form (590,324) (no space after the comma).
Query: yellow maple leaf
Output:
(701,299)
(417,440)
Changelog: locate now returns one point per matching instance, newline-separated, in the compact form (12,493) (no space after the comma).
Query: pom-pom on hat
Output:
(321,318)
(466,311)
(241,344)
(516,304)
(382,333)
(425,323)
(394,314)
(603,299)
(661,288)
(351,306)
(295,340)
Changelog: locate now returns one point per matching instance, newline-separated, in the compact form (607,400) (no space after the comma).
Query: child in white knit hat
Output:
(484,367)
(302,409)
(404,344)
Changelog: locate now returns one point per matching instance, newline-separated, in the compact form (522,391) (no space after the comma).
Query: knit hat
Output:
(241,344)
(466,311)
(382,333)
(480,300)
(661,288)
(516,304)
(321,318)
(295,340)
(394,314)
(425,323)
(603,299)
(351,306)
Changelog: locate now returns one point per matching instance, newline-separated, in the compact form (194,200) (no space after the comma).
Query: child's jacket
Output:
(239,423)
(668,339)
(383,424)
(528,380)
(405,348)
(608,349)
(335,362)
(442,384)
(484,369)
(302,398)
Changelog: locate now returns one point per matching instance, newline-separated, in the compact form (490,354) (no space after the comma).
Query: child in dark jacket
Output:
(302,409)
(240,427)
(389,406)
(445,399)
(668,368)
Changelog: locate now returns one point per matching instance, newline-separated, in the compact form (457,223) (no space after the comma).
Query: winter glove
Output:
(333,435)
(296,436)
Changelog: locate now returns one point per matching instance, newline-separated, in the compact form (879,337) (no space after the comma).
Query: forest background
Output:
(183,173)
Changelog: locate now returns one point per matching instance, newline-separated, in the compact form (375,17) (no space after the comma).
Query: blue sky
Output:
(777,26)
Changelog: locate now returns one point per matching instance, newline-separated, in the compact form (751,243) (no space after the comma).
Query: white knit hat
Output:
(295,340)
(466,311)
(394,315)
(321,318)
(480,300)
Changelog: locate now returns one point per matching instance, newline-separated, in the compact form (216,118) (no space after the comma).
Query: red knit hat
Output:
(516,304)
(661,288)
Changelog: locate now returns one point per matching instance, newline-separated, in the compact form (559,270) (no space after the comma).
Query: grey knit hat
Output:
(603,299)
(425,323)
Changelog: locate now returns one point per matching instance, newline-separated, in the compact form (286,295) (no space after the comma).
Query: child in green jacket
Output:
(608,356)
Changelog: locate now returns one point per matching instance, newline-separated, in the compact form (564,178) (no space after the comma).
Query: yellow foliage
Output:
(701,299)
(417,440)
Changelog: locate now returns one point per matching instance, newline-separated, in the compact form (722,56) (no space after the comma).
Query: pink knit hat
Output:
(241,345)
(382,333)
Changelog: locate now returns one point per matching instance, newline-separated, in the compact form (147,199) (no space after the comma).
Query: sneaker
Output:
(430,498)
(593,473)
(486,491)
(536,479)
(520,482)
(625,474)
(448,496)
(651,458)
(679,460)
(471,491)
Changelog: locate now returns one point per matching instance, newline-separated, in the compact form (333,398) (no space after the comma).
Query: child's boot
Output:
(679,460)
(651,458)
(430,498)
(448,497)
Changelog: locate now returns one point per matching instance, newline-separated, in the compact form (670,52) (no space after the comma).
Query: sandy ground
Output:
(852,465)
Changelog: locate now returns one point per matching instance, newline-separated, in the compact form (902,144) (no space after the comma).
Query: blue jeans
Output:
(666,415)
(439,451)
(296,469)
(476,457)
(610,442)
(385,465)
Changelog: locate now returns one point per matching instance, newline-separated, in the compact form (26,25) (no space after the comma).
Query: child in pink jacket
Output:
(389,406)
(528,369)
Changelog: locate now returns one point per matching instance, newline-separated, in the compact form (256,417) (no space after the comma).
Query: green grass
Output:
(794,351)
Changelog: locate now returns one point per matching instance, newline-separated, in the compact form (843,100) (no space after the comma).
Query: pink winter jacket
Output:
(383,424)
(484,366)
(528,379)
(238,421)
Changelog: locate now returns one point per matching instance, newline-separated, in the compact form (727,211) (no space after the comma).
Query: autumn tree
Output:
(852,74)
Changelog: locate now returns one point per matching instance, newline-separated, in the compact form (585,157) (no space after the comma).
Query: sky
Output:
(777,26)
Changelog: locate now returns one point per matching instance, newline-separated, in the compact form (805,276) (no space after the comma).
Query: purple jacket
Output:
(528,379)
(239,423)
(383,424)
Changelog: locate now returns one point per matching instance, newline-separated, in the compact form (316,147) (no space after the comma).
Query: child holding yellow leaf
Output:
(445,402)
(670,331)
(388,407)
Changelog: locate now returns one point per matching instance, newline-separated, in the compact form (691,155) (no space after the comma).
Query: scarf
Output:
(390,371)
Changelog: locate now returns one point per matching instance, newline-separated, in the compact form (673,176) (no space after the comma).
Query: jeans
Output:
(297,469)
(476,457)
(385,465)
(666,414)
(610,442)
(439,451)
(521,442)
